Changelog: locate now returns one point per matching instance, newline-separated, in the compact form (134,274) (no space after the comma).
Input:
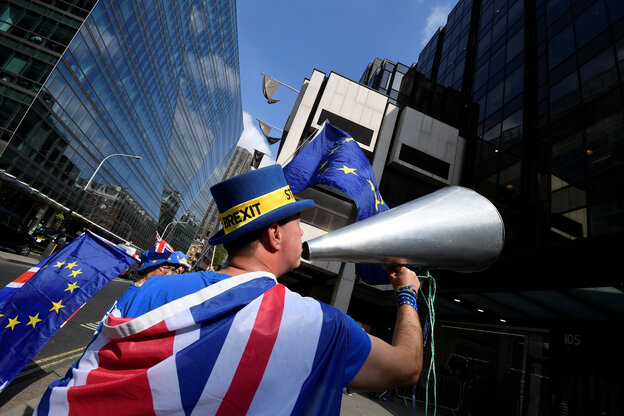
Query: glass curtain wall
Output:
(159,80)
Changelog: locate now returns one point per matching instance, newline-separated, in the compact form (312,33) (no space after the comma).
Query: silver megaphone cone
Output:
(453,228)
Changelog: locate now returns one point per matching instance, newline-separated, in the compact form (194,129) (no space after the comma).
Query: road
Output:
(63,349)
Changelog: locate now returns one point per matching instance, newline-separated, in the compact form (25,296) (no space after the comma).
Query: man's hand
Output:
(402,276)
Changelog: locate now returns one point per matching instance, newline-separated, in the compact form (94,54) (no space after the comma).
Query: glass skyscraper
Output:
(547,77)
(548,80)
(82,80)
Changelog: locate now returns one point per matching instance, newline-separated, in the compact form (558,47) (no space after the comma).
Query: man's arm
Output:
(399,364)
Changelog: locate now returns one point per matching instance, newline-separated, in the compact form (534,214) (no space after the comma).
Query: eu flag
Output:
(32,314)
(334,158)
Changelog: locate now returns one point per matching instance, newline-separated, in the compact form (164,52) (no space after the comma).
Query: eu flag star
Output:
(347,170)
(70,265)
(12,323)
(34,320)
(377,201)
(59,264)
(71,287)
(323,169)
(56,306)
(75,273)
(348,139)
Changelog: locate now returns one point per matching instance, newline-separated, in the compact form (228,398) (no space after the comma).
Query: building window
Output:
(556,8)
(599,74)
(424,161)
(565,94)
(512,129)
(514,84)
(360,133)
(495,99)
(604,140)
(329,212)
(560,47)
(616,9)
(591,22)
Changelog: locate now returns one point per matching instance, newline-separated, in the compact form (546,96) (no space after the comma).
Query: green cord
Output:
(429,301)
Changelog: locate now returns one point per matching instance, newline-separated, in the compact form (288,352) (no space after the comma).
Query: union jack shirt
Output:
(243,345)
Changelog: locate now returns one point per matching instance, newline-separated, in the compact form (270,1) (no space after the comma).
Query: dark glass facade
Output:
(429,57)
(384,76)
(82,80)
(547,78)
(454,56)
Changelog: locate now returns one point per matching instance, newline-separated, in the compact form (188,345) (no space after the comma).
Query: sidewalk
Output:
(354,404)
(16,258)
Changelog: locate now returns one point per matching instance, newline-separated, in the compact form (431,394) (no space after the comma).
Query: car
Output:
(44,235)
(14,234)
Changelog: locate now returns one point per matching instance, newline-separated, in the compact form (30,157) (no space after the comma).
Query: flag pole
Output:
(273,127)
(287,86)
(307,140)
(214,249)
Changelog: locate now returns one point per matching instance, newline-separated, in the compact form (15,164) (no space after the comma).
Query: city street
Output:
(63,349)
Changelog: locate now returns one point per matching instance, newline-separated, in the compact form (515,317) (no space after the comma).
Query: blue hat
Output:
(151,258)
(252,201)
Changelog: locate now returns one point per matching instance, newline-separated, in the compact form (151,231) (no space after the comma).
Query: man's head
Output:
(258,207)
(154,263)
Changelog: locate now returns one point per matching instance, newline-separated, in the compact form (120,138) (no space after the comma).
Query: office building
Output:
(521,101)
(83,80)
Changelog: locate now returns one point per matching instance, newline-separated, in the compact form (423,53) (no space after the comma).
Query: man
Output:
(154,263)
(252,346)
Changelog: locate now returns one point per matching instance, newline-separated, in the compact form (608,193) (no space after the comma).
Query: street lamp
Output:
(100,165)
(176,223)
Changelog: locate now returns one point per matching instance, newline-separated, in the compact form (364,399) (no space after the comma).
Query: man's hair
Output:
(246,244)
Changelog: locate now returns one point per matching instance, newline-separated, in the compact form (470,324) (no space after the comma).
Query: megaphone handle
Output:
(397,268)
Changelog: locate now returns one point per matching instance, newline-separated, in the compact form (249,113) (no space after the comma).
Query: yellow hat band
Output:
(248,211)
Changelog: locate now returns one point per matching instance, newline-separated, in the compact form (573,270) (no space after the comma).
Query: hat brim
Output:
(267,219)
(167,257)
(147,265)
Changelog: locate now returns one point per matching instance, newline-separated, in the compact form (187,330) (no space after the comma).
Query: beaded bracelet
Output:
(406,297)
(408,287)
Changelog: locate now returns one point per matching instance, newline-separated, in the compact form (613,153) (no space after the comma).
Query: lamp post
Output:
(176,223)
(104,160)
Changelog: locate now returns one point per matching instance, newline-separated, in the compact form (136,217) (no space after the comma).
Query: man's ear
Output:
(272,237)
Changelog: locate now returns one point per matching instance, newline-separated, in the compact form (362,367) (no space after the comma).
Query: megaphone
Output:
(453,228)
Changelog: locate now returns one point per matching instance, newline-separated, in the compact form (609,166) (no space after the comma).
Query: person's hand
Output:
(402,276)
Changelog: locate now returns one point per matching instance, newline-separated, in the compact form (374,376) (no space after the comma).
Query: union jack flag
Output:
(244,345)
(161,245)
(19,281)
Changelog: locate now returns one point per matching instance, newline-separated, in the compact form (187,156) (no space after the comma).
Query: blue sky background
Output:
(288,39)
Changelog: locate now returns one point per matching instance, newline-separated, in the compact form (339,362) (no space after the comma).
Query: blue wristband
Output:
(406,297)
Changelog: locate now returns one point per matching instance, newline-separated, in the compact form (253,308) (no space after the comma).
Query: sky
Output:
(288,39)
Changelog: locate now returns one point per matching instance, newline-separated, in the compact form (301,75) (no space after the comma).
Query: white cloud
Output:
(436,18)
(252,138)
